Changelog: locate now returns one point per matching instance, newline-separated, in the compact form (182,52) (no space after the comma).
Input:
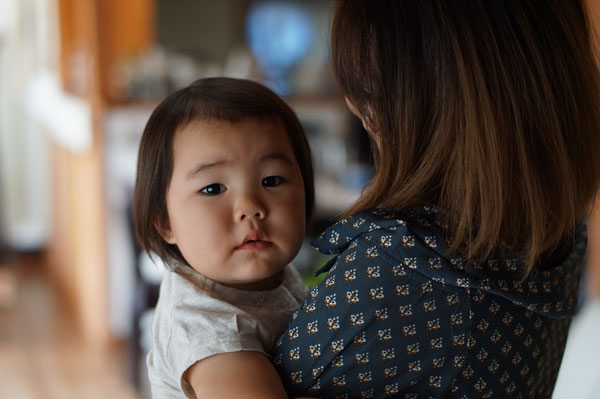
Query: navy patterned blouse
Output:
(396,316)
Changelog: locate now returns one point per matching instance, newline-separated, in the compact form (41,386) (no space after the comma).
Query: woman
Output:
(456,273)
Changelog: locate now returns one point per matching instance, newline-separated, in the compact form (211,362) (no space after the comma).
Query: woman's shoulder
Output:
(389,222)
(410,237)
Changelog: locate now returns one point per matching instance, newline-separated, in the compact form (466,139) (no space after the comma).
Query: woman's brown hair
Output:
(215,99)
(488,110)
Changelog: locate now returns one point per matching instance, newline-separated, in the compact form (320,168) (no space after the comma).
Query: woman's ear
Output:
(372,133)
(362,118)
(163,227)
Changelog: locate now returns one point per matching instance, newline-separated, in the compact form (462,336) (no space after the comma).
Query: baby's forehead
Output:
(268,133)
(226,143)
(211,130)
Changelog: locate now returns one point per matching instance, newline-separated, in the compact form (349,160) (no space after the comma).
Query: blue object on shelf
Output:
(279,35)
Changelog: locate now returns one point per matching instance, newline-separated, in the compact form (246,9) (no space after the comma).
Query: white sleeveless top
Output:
(197,317)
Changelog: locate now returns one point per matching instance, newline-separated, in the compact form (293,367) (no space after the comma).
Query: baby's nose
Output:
(249,206)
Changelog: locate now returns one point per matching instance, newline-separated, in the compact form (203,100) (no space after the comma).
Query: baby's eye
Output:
(213,189)
(272,181)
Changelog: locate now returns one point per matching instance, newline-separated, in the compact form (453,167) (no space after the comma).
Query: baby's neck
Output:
(263,285)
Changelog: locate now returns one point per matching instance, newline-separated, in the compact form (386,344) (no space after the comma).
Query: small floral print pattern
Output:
(398,317)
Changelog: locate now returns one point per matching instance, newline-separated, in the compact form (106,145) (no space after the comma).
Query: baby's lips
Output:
(254,235)
(255,240)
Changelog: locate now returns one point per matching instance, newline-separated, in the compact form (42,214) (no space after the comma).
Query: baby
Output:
(223,192)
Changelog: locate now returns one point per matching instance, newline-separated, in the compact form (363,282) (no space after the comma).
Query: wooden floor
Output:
(41,354)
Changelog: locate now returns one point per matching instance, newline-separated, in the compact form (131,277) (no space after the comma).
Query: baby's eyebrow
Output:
(210,165)
(202,167)
(276,156)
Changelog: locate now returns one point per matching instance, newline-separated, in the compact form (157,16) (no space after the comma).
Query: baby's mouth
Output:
(255,241)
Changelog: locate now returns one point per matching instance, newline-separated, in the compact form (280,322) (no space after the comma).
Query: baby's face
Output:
(236,201)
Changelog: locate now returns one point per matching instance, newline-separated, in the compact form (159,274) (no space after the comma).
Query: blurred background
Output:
(78,81)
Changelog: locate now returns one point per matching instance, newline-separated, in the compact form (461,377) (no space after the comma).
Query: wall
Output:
(27,41)
(206,30)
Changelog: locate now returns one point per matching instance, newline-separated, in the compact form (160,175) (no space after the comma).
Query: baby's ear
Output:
(163,227)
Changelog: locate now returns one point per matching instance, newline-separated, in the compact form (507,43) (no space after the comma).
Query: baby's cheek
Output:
(295,231)
(201,252)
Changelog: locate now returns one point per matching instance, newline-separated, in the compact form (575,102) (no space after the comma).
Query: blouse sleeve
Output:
(375,327)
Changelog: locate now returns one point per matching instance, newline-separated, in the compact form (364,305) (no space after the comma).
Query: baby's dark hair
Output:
(210,99)
(488,109)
